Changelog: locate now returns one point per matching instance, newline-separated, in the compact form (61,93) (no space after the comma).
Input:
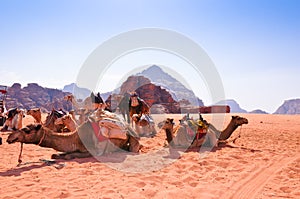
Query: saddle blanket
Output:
(107,128)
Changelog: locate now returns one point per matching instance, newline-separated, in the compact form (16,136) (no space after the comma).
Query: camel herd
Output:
(83,133)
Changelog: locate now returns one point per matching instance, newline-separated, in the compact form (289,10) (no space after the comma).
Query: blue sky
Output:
(254,44)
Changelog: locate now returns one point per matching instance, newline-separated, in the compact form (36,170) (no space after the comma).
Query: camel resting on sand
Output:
(178,136)
(144,125)
(77,144)
(14,119)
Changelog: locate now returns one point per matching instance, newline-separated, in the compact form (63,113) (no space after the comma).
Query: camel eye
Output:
(26,130)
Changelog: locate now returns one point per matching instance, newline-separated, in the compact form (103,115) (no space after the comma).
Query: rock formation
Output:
(35,96)
(289,107)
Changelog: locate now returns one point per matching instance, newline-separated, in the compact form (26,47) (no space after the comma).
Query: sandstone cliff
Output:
(33,95)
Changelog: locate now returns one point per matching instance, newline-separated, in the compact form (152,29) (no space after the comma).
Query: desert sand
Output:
(263,163)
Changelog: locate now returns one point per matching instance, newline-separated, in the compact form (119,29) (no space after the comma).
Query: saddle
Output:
(108,128)
(196,130)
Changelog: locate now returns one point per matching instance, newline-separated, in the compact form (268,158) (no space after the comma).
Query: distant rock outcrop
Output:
(33,96)
(234,106)
(176,88)
(258,111)
(289,107)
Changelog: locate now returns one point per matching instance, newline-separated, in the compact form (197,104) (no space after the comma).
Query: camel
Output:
(14,119)
(137,105)
(89,104)
(67,121)
(36,114)
(178,136)
(51,118)
(17,120)
(81,143)
(144,125)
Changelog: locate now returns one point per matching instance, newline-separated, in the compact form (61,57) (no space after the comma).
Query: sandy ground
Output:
(265,163)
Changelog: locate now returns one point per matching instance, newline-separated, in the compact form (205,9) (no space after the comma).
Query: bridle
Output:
(21,150)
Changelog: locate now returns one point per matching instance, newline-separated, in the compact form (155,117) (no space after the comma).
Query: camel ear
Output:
(171,120)
(234,116)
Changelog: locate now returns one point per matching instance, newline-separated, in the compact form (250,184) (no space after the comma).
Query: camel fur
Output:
(68,121)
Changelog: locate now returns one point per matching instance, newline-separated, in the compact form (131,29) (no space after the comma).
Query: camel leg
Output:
(134,145)
(69,156)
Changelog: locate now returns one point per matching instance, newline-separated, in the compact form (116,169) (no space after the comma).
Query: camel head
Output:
(166,124)
(35,113)
(238,121)
(29,134)
(66,119)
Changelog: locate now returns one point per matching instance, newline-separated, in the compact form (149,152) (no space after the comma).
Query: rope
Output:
(20,154)
(239,135)
(41,140)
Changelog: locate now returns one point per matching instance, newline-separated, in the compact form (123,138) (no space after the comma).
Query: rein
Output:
(238,136)
(20,154)
(41,140)
(21,150)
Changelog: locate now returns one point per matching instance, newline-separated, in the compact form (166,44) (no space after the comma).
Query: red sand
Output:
(265,164)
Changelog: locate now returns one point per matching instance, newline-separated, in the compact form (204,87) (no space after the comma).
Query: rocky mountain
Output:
(289,107)
(33,95)
(176,88)
(234,106)
(153,95)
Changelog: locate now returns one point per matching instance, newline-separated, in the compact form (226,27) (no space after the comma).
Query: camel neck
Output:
(169,135)
(226,133)
(64,142)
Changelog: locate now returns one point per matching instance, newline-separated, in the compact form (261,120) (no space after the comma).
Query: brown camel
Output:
(144,125)
(77,144)
(67,121)
(51,118)
(36,114)
(177,136)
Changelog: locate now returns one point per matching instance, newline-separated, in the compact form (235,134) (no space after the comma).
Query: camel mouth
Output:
(12,141)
